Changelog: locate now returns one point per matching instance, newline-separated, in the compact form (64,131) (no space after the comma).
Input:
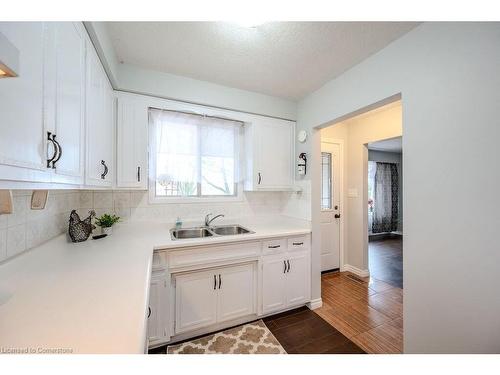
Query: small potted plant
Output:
(106,222)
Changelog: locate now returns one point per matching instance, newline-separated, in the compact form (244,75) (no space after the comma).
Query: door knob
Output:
(337,216)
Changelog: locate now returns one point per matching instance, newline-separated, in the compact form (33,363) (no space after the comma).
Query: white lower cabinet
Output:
(237,292)
(195,300)
(298,279)
(158,308)
(285,281)
(216,286)
(273,284)
(204,298)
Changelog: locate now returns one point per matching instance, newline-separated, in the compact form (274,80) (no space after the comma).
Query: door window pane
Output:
(326,181)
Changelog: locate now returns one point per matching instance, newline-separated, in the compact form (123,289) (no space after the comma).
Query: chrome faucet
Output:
(208,221)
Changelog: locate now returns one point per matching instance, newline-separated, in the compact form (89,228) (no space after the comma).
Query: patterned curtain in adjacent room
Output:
(385,207)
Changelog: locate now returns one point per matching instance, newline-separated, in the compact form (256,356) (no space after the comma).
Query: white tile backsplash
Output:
(103,199)
(134,206)
(3,244)
(26,228)
(86,199)
(16,239)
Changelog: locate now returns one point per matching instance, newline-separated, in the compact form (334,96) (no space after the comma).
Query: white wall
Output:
(170,86)
(99,35)
(448,75)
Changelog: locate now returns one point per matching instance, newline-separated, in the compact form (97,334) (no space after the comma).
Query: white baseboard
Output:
(355,270)
(315,304)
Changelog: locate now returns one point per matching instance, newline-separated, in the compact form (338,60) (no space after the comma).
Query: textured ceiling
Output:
(284,59)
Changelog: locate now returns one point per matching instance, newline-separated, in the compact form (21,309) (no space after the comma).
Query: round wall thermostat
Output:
(302,136)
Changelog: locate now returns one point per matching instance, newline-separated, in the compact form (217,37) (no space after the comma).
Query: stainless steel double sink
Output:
(215,231)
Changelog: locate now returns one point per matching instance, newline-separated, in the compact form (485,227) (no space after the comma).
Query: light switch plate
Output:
(39,199)
(5,202)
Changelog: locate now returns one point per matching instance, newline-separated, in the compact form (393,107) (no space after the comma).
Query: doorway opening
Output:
(359,300)
(385,210)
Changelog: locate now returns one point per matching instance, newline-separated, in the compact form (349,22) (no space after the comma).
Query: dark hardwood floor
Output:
(386,260)
(302,331)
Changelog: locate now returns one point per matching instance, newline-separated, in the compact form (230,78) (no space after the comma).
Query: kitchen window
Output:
(193,157)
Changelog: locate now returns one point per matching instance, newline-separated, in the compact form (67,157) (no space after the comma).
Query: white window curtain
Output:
(195,155)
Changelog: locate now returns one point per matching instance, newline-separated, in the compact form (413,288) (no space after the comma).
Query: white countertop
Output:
(92,297)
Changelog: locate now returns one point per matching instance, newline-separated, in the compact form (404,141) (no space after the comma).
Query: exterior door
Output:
(330,206)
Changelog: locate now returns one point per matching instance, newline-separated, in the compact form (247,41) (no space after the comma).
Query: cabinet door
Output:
(274,147)
(132,143)
(65,97)
(22,139)
(273,284)
(157,313)
(195,301)
(298,287)
(237,292)
(99,123)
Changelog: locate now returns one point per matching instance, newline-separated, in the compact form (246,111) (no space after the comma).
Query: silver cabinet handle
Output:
(298,243)
(138,174)
(220,281)
(273,246)
(284,264)
(215,282)
(260,179)
(288,262)
(149,312)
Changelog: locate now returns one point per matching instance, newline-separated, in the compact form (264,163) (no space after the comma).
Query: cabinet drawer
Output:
(299,243)
(274,246)
(212,254)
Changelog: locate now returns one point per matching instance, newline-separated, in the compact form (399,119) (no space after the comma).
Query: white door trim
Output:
(340,143)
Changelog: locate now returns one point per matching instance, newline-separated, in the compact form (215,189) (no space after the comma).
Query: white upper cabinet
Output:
(132,142)
(99,165)
(269,145)
(64,99)
(22,135)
